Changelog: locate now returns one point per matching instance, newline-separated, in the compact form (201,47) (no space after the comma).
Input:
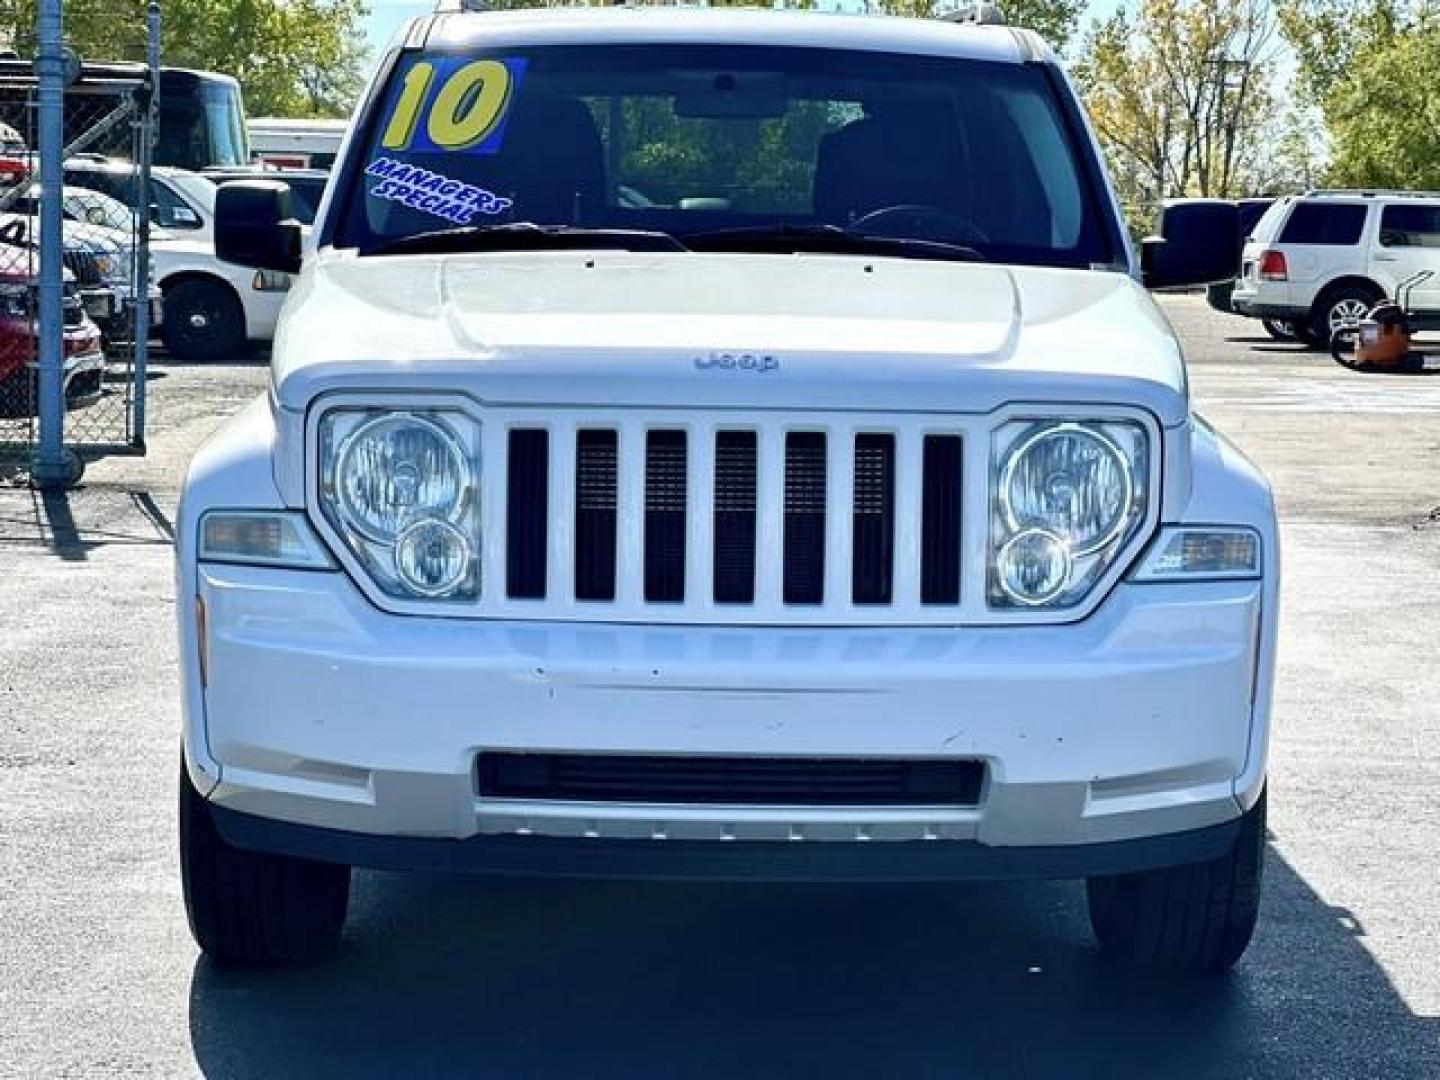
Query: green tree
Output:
(1371,66)
(1181,93)
(293,57)
(1384,115)
(1054,20)
(1328,36)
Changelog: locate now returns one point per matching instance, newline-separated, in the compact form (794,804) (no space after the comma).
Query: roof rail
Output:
(1321,193)
(979,14)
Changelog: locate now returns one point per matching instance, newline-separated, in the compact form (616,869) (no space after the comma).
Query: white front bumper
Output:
(1146,718)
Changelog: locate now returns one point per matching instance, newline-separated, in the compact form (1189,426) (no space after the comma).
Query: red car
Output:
(84,356)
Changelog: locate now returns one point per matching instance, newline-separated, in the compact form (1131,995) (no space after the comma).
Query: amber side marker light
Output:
(202,640)
(1202,553)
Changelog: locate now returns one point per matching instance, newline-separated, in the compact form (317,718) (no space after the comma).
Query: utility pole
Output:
(148,125)
(53,467)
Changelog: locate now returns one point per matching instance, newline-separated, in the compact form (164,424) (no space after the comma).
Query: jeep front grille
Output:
(85,266)
(682,520)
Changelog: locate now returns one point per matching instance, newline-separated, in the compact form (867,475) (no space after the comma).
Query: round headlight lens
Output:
(1033,567)
(432,557)
(397,469)
(1071,481)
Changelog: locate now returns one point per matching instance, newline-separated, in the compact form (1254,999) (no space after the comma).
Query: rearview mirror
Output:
(255,228)
(724,96)
(1199,244)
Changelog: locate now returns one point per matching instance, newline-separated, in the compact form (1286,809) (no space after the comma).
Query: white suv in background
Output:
(212,308)
(1322,259)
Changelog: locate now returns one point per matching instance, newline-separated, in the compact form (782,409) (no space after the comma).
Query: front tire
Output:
(1195,918)
(204,322)
(1338,309)
(248,909)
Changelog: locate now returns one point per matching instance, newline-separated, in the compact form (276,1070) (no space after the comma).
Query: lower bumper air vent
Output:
(730,780)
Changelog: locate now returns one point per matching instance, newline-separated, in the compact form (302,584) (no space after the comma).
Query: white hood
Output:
(640,329)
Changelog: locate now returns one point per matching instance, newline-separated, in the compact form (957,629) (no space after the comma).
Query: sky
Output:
(386,17)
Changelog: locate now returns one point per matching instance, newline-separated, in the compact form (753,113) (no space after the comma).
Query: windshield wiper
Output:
(526,236)
(827,239)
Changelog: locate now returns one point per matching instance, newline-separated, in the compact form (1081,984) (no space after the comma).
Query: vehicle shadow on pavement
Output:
(1281,348)
(72,528)
(457,977)
(254,355)
(1266,340)
(53,523)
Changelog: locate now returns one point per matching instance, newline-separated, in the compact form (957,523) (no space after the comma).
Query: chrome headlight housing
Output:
(1066,498)
(401,490)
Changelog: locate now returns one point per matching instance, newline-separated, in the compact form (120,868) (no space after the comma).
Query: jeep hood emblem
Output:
(720,360)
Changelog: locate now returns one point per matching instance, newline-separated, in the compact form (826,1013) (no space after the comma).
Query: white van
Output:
(296,144)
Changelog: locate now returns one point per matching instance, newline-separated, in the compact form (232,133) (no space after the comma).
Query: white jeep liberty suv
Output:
(724,444)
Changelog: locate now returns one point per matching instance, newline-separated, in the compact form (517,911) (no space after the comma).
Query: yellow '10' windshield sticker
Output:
(453,105)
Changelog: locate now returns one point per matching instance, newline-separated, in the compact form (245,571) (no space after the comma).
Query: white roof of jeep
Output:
(727,26)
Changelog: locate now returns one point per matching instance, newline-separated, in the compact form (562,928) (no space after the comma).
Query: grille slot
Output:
(735,520)
(596,493)
(804,567)
(730,780)
(873,528)
(940,520)
(665,504)
(85,265)
(527,513)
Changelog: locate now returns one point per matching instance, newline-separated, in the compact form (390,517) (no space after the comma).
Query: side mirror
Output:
(1199,244)
(255,228)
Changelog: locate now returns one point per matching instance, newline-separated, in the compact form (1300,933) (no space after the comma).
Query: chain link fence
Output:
(110,306)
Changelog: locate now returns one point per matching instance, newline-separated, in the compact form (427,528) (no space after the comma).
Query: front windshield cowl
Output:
(851,152)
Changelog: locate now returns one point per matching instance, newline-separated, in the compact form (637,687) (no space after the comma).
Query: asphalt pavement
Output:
(457,977)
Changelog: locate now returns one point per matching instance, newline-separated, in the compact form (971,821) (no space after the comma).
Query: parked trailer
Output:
(296,144)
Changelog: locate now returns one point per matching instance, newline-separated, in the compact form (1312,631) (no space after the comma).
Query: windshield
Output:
(202,124)
(691,140)
(225,117)
(92,208)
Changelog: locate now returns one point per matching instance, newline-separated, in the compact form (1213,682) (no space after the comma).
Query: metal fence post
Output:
(141,276)
(53,467)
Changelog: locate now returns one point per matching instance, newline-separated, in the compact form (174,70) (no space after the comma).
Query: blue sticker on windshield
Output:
(453,105)
(433,193)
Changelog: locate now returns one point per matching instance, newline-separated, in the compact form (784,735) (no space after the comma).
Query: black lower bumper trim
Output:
(1280,312)
(691,860)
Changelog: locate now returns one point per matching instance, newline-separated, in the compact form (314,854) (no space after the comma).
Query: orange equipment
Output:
(1381,341)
